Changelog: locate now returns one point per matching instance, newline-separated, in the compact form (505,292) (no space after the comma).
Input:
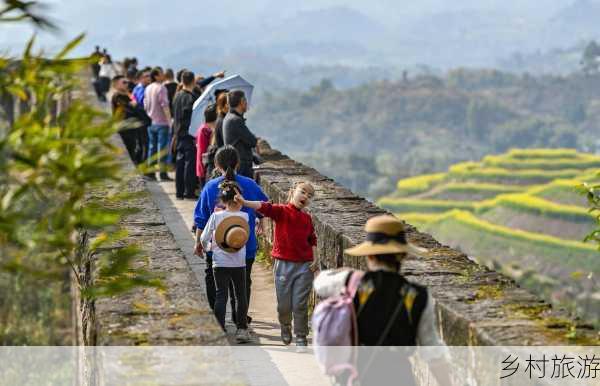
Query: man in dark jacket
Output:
(125,108)
(185,148)
(237,134)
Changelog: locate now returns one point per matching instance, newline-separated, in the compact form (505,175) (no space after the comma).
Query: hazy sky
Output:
(145,27)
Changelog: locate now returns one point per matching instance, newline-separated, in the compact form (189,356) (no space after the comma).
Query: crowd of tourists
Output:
(216,168)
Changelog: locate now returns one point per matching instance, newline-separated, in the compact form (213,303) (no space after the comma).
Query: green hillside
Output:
(519,212)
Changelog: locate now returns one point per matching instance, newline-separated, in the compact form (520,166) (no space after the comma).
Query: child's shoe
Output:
(242,336)
(286,334)
(301,344)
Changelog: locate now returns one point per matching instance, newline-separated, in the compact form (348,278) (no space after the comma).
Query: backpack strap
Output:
(351,287)
(354,282)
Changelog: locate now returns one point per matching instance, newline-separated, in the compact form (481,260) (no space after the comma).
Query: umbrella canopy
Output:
(234,82)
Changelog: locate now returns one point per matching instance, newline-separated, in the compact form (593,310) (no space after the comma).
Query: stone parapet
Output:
(177,315)
(475,306)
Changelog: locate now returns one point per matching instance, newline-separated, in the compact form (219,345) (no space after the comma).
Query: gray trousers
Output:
(293,282)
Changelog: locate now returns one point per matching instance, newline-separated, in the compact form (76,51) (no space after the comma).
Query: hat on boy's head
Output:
(232,233)
(385,236)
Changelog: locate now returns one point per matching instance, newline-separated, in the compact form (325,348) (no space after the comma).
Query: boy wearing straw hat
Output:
(390,310)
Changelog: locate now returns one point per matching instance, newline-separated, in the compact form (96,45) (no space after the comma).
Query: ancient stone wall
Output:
(179,315)
(475,306)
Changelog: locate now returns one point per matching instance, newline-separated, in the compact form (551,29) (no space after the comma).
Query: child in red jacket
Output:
(294,264)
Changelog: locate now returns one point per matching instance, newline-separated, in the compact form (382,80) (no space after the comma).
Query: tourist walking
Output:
(171,86)
(184,147)
(143,79)
(126,109)
(106,72)
(237,134)
(390,310)
(293,242)
(227,161)
(95,66)
(226,234)
(156,104)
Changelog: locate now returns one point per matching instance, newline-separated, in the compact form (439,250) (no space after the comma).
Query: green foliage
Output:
(53,159)
(560,191)
(582,162)
(547,154)
(575,254)
(470,191)
(399,205)
(589,60)
(475,172)
(528,203)
(418,184)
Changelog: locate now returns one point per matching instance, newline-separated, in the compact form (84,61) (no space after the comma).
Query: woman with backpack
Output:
(387,309)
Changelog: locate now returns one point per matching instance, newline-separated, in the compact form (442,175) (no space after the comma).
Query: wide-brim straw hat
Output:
(232,233)
(385,235)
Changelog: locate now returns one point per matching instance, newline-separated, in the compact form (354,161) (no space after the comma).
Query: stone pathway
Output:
(269,362)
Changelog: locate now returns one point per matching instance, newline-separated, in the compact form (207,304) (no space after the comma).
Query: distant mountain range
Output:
(329,32)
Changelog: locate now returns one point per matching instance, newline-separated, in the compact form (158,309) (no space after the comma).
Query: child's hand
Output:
(239,199)
(198,250)
(314,266)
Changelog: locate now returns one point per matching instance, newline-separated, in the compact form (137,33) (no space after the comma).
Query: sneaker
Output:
(150,177)
(242,336)
(301,344)
(286,334)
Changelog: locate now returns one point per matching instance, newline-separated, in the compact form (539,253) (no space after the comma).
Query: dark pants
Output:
(223,277)
(132,142)
(143,135)
(249,264)
(209,279)
(185,168)
(210,284)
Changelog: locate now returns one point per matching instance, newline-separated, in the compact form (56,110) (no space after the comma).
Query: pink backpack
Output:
(336,332)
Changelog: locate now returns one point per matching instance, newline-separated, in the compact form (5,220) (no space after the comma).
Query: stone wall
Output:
(179,315)
(475,306)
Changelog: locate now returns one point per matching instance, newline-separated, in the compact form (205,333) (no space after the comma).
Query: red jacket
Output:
(202,142)
(294,232)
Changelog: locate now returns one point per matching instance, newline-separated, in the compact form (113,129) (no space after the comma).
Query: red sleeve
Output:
(312,238)
(199,167)
(271,210)
(204,140)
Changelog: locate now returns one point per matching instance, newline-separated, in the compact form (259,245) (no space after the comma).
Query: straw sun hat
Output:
(385,235)
(232,233)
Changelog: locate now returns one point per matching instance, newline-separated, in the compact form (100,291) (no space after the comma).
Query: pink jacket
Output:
(202,142)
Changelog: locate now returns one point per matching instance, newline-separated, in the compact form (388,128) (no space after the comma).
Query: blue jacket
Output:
(138,93)
(209,198)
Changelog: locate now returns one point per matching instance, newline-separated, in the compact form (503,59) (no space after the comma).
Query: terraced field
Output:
(519,212)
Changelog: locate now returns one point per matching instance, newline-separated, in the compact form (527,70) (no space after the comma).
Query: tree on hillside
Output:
(589,60)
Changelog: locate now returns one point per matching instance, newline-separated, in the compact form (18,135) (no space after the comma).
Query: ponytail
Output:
(229,174)
(227,159)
